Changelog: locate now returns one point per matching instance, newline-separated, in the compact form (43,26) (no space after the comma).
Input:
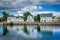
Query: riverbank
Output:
(30,23)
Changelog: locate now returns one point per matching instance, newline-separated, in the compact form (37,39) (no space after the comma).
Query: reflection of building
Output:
(30,19)
(46,17)
(56,19)
(15,19)
(46,28)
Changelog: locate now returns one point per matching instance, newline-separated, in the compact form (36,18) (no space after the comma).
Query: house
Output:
(30,19)
(15,19)
(56,19)
(47,17)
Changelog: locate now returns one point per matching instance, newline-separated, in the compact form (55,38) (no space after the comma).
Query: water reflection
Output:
(31,31)
(38,28)
(5,31)
(25,29)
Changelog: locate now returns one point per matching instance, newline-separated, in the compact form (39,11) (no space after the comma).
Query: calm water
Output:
(29,32)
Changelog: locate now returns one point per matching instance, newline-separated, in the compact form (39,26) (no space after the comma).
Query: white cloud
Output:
(19,13)
(22,3)
(40,12)
(31,8)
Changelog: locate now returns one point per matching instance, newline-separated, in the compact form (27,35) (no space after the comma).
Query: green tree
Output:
(37,18)
(5,15)
(26,14)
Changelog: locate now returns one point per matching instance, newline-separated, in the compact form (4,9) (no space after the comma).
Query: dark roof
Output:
(46,15)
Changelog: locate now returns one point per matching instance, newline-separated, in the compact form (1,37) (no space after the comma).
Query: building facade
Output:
(57,19)
(15,19)
(46,17)
(30,19)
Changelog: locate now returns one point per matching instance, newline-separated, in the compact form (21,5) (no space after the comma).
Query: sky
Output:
(33,6)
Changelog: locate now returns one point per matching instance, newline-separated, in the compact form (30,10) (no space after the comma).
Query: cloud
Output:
(32,8)
(18,4)
(19,13)
(40,12)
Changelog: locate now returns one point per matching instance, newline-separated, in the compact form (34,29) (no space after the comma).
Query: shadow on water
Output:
(5,30)
(25,29)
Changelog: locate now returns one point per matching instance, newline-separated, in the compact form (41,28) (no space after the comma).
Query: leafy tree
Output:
(26,14)
(5,15)
(37,18)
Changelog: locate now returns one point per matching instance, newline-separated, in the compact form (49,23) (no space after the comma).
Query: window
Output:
(44,20)
(49,21)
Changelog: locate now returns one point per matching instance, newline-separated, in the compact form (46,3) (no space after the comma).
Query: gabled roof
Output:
(46,15)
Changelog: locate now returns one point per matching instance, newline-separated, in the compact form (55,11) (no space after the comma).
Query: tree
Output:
(37,18)
(26,14)
(5,15)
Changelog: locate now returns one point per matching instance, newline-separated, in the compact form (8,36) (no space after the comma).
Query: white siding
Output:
(30,19)
(14,19)
(46,19)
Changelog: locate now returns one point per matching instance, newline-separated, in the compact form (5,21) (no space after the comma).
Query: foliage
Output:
(0,19)
(26,14)
(11,24)
(5,15)
(37,18)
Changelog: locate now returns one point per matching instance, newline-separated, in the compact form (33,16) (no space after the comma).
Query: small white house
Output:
(46,17)
(15,19)
(30,19)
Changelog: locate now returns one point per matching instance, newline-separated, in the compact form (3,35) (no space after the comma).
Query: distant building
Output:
(15,19)
(30,19)
(46,17)
(56,19)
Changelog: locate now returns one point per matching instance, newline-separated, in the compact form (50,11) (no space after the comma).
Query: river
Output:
(29,32)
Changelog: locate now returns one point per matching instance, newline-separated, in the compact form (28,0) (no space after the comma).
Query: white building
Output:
(46,17)
(30,19)
(15,19)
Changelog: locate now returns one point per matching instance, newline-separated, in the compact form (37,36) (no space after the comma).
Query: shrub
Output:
(11,24)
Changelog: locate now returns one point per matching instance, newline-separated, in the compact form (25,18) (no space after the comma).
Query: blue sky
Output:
(52,7)
(14,6)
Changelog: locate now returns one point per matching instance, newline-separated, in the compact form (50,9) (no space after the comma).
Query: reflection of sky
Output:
(18,30)
(1,30)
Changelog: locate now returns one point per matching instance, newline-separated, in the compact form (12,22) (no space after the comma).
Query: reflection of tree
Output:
(25,29)
(38,28)
(5,31)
